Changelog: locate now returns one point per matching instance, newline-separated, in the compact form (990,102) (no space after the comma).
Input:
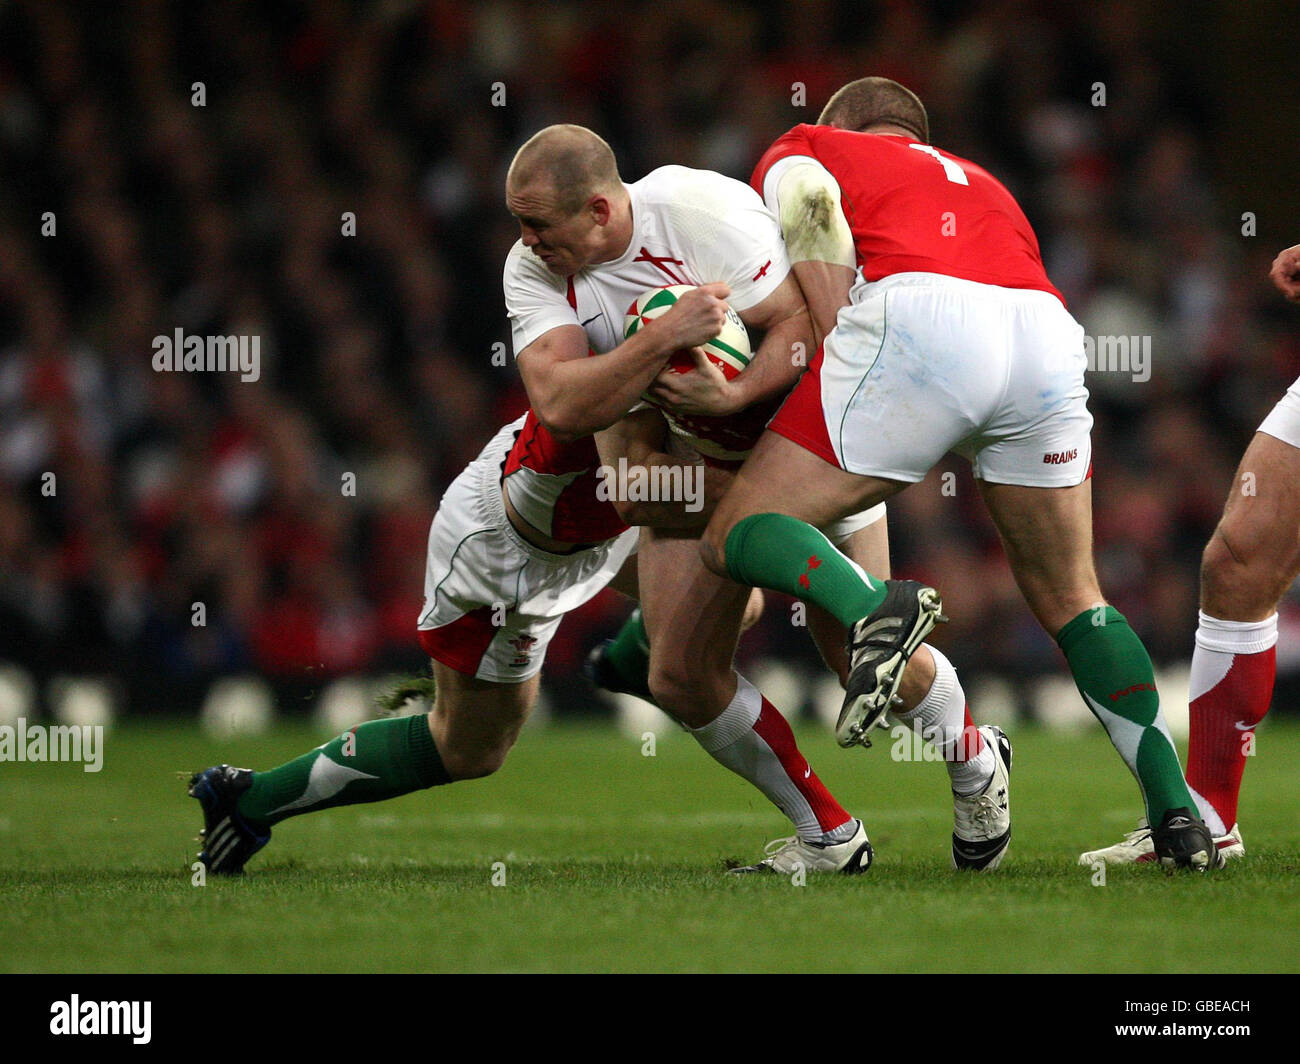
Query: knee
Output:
(471,752)
(692,696)
(713,546)
(673,687)
(474,763)
(918,677)
(1219,569)
(1234,581)
(713,543)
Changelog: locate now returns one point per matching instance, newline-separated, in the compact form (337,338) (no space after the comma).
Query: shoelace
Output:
(778,845)
(984,812)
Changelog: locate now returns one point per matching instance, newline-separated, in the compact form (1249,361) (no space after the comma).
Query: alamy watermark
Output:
(62,742)
(657,483)
(179,353)
(1119,354)
(77,1017)
(935,743)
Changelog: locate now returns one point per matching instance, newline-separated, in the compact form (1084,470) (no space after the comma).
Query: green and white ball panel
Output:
(729,350)
(649,305)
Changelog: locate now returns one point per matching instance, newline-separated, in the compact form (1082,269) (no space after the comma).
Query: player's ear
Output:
(600,210)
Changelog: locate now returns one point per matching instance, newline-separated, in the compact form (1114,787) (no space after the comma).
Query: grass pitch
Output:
(613,861)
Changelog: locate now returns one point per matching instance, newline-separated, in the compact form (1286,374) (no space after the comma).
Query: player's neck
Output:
(618,232)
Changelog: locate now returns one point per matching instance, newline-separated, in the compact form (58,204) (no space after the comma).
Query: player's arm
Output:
(1285,273)
(574,395)
(786,347)
(826,287)
(805,197)
(641,439)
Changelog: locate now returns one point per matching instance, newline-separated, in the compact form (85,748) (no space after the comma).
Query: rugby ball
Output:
(729,350)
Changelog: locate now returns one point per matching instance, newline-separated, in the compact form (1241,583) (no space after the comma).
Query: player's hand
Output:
(697,316)
(1285,273)
(703,390)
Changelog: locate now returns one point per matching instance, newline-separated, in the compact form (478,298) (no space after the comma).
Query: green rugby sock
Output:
(376,760)
(786,554)
(1114,674)
(628,657)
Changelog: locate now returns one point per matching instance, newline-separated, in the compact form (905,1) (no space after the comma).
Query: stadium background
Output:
(376,349)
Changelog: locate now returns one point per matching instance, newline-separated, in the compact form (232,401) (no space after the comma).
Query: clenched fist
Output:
(1286,273)
(697,316)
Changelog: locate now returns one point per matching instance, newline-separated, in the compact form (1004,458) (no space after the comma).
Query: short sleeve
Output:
(535,299)
(778,170)
(753,256)
(797,141)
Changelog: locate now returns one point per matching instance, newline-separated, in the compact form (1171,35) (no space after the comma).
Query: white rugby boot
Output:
(785,856)
(981,829)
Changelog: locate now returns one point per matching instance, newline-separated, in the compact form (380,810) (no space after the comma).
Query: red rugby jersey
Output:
(915,208)
(553,486)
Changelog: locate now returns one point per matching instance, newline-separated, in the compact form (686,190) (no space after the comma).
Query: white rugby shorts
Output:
(922,364)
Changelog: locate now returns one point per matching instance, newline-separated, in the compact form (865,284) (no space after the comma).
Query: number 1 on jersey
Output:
(954,172)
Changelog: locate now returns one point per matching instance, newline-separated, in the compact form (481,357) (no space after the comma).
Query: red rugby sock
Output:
(1233,667)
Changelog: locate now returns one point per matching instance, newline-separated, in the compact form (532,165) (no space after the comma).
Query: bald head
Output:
(571,163)
(564,190)
(869,102)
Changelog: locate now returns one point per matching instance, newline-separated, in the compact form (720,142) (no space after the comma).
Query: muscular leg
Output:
(1254,554)
(761,533)
(1250,561)
(1047,533)
(467,734)
(693,619)
(623,663)
(474,723)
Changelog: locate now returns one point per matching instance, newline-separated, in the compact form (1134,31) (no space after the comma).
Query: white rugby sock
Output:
(942,719)
(751,738)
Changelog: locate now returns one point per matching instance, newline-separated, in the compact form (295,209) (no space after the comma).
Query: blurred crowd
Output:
(196,166)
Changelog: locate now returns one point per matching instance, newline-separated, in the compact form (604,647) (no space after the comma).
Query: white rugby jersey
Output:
(688,227)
